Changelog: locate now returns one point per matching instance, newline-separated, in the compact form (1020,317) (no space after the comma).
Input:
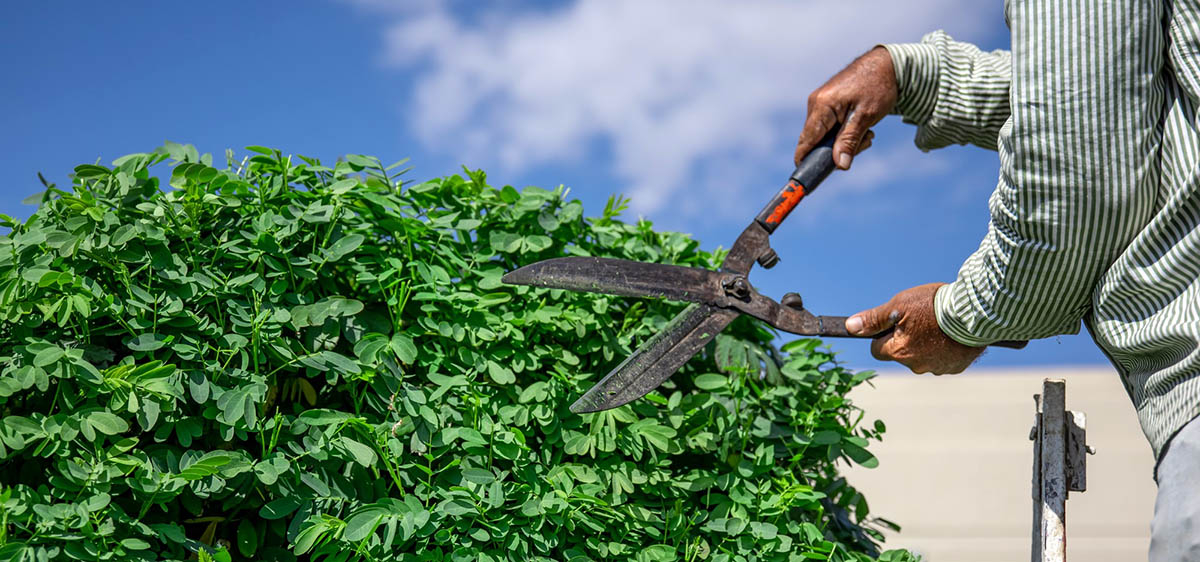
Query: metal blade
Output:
(622,277)
(657,359)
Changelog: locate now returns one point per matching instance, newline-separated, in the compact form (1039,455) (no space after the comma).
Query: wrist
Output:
(948,320)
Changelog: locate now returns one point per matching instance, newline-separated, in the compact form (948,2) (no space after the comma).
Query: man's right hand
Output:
(859,96)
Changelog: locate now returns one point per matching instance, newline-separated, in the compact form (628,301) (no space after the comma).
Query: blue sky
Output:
(691,108)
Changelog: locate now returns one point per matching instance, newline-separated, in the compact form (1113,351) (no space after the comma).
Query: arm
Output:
(1079,165)
(953,92)
(1078,168)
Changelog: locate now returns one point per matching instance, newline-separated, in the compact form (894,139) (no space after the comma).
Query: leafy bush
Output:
(280,360)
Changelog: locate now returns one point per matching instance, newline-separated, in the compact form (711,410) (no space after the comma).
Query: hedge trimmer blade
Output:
(625,278)
(657,359)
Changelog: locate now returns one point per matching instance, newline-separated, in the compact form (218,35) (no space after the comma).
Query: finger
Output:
(892,347)
(866,143)
(821,119)
(849,140)
(881,347)
(872,321)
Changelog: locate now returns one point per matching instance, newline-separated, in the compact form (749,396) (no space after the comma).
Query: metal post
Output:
(1035,435)
(1054,471)
(1059,467)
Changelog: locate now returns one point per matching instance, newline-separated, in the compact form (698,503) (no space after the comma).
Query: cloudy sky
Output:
(691,108)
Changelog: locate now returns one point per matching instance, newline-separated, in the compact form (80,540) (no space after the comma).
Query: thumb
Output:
(873,321)
(849,140)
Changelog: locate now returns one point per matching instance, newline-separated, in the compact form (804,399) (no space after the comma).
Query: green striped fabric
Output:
(1095,216)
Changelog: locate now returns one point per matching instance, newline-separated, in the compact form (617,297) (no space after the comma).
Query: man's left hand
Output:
(916,340)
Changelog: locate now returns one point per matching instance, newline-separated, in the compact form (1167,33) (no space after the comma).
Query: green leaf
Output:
(500,374)
(360,162)
(826,437)
(106,423)
(343,186)
(148,342)
(456,508)
(537,243)
(247,538)
(90,171)
(860,455)
(404,348)
(509,194)
(362,454)
(135,544)
(280,508)
(208,465)
(322,416)
(48,356)
(341,363)
(344,246)
(35,274)
(711,381)
(659,436)
(268,470)
(122,235)
(501,241)
(494,299)
(478,475)
(363,523)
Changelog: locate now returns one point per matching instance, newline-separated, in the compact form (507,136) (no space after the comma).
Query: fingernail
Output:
(854,325)
(844,160)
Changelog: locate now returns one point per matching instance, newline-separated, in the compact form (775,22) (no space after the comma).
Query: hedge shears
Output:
(716,297)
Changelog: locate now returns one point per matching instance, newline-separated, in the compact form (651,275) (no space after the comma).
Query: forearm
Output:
(954,92)
(1078,174)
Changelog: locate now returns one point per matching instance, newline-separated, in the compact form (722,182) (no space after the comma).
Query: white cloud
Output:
(674,88)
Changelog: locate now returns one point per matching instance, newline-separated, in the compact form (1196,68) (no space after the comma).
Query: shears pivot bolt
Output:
(768,259)
(793,301)
(736,286)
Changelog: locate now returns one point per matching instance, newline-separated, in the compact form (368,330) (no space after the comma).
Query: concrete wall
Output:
(955,465)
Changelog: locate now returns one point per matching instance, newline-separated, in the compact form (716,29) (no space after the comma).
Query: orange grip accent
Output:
(792,193)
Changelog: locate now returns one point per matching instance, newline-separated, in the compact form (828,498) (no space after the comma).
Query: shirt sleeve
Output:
(1079,165)
(953,92)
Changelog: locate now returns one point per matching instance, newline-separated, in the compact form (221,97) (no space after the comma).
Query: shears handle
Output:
(835,327)
(814,168)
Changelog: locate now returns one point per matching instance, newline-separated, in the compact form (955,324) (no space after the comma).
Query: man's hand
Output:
(859,96)
(916,342)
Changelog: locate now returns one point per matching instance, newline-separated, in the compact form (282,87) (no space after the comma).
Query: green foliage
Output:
(281,360)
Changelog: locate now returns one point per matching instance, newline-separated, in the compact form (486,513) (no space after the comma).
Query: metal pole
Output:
(1053,459)
(1035,435)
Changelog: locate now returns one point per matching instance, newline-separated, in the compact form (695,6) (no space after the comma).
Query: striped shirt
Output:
(1095,216)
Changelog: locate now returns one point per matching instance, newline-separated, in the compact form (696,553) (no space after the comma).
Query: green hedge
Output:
(281,360)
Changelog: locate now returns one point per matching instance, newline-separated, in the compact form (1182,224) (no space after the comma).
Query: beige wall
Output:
(955,465)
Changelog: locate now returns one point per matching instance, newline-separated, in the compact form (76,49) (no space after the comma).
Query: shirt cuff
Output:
(917,71)
(949,319)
